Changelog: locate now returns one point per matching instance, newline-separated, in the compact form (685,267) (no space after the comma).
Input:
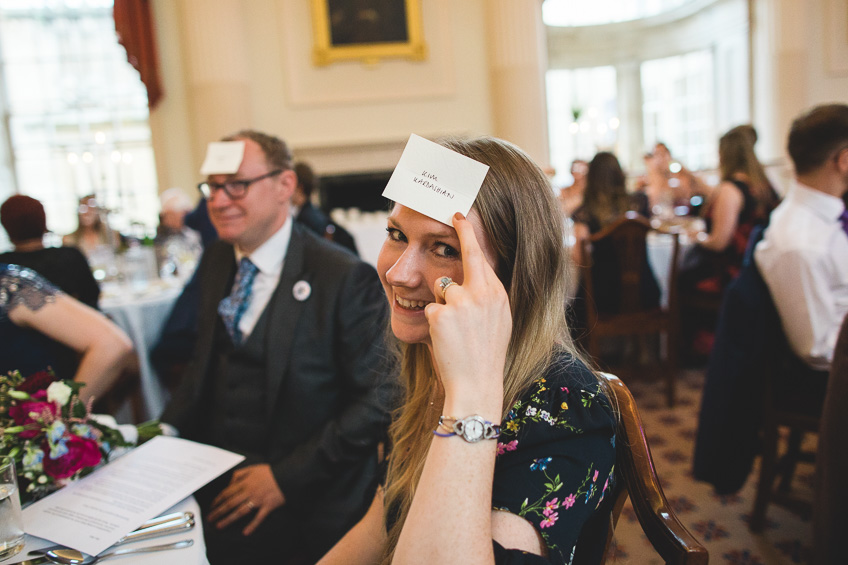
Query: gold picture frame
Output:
(345,31)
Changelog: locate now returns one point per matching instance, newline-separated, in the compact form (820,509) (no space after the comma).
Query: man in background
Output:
(803,256)
(310,216)
(288,370)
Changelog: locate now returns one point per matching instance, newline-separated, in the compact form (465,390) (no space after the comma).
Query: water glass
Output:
(11,521)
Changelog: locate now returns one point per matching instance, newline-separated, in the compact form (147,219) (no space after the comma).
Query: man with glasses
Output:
(803,256)
(288,370)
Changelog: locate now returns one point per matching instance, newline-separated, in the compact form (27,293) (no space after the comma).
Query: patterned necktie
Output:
(232,308)
(844,219)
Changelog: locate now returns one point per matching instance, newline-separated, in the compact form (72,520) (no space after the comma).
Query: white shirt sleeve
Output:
(800,285)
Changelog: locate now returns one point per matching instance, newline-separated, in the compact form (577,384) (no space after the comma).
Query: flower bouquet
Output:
(53,436)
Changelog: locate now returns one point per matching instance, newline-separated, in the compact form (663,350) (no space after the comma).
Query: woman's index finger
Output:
(472,255)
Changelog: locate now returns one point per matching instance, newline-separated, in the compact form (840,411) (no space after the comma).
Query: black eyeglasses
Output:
(235,189)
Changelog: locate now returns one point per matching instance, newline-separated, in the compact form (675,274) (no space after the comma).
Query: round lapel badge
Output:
(301,290)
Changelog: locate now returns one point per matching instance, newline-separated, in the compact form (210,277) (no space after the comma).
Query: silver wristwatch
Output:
(472,429)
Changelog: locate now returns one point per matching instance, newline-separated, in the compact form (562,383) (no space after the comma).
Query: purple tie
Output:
(844,219)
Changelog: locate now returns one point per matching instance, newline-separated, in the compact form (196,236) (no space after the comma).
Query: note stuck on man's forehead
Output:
(434,180)
(222,158)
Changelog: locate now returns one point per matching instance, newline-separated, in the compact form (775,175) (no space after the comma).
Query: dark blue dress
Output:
(24,349)
(556,460)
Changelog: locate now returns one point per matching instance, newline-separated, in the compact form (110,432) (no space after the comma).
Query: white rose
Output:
(59,392)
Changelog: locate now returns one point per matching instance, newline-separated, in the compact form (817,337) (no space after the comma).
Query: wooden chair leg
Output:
(790,460)
(671,370)
(768,464)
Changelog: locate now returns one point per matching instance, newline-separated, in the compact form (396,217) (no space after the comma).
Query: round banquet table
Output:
(141,314)
(194,555)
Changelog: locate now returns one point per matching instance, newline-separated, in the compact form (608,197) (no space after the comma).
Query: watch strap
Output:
(472,428)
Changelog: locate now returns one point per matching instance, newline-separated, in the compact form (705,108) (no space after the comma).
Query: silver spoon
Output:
(73,557)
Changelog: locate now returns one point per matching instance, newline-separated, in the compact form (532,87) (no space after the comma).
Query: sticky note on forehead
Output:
(222,158)
(434,180)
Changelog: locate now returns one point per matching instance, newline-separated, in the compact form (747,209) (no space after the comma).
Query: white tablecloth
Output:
(659,249)
(194,555)
(141,315)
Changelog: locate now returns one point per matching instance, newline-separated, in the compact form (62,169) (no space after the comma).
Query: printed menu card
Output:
(94,512)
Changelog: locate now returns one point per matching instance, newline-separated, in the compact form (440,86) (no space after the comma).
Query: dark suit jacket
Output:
(329,389)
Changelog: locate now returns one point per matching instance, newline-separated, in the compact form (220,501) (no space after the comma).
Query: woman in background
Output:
(66,267)
(744,199)
(605,202)
(39,323)
(477,310)
(92,235)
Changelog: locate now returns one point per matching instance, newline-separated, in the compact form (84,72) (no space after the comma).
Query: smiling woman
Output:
(504,445)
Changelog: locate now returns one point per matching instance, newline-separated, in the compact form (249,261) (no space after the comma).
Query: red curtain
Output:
(134,24)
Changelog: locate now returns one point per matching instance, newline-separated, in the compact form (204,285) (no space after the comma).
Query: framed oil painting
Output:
(367,30)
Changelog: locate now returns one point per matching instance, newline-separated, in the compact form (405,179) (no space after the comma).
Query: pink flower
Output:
(606,484)
(504,447)
(595,478)
(82,452)
(550,506)
(549,521)
(20,413)
(569,501)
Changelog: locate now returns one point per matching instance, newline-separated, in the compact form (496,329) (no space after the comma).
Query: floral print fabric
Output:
(556,458)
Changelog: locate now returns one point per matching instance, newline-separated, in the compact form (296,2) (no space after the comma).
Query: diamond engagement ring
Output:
(444,283)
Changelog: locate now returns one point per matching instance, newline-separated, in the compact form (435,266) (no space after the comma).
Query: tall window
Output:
(582,116)
(75,112)
(678,107)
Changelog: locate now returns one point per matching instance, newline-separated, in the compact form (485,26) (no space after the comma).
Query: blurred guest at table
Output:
(667,183)
(66,267)
(804,253)
(571,196)
(287,370)
(304,212)
(177,246)
(40,326)
(744,199)
(93,234)
(606,200)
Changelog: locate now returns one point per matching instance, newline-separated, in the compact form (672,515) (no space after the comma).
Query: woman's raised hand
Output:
(470,328)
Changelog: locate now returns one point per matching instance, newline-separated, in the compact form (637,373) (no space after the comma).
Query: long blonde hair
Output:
(522,222)
(736,155)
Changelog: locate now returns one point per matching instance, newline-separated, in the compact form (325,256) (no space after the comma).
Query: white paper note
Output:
(222,158)
(434,180)
(93,513)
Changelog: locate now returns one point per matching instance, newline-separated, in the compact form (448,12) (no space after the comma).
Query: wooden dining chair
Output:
(628,236)
(637,477)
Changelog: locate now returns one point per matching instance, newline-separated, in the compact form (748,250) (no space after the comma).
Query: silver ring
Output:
(444,283)
(250,505)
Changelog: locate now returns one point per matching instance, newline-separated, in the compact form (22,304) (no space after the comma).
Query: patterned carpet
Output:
(719,522)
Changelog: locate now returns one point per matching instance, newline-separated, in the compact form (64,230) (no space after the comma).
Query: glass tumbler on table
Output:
(11,521)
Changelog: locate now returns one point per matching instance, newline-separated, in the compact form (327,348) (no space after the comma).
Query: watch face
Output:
(473,429)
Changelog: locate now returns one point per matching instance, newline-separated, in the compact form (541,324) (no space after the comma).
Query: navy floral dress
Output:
(556,459)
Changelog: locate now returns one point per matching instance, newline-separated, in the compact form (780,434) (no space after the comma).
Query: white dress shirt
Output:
(268,258)
(803,258)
